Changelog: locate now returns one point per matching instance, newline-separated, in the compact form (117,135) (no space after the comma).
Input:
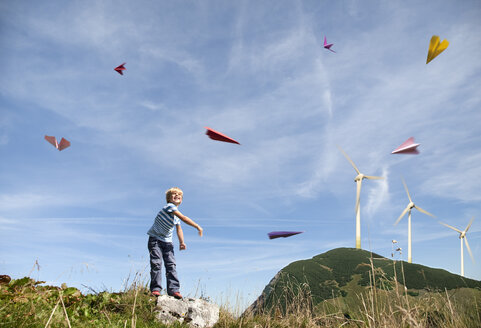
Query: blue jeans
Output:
(159,250)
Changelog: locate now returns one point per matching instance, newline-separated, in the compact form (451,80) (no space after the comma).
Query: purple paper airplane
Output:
(328,46)
(407,147)
(284,234)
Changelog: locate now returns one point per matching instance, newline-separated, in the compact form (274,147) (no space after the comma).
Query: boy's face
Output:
(176,198)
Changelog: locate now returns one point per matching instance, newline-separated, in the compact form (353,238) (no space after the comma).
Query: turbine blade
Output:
(447,225)
(424,211)
(469,225)
(358,194)
(402,214)
(373,178)
(407,191)
(350,161)
(469,249)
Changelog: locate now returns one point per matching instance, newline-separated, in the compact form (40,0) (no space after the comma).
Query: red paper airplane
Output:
(64,143)
(120,68)
(215,135)
(407,147)
(284,234)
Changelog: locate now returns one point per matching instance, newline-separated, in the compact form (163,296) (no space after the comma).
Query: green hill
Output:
(344,273)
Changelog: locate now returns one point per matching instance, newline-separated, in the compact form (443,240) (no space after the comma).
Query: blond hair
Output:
(168,193)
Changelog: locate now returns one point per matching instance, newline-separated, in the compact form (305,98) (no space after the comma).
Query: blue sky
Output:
(257,72)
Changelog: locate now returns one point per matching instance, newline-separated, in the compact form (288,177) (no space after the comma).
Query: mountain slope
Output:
(327,275)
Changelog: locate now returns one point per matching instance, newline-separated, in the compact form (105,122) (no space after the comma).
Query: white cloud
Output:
(457,177)
(153,106)
(54,197)
(378,195)
(16,201)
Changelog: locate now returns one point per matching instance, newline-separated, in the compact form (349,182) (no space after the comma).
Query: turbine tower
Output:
(462,235)
(358,179)
(408,210)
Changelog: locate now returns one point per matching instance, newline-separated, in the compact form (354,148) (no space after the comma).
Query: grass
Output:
(27,303)
(384,303)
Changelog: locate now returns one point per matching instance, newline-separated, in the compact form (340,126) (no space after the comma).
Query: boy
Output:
(160,243)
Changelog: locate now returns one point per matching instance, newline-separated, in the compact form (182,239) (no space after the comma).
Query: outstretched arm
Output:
(180,235)
(189,222)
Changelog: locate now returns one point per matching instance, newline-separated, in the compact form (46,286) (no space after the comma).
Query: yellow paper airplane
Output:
(435,48)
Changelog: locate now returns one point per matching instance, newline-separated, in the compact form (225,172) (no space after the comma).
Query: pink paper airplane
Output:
(120,68)
(64,143)
(407,147)
(215,135)
(284,234)
(328,46)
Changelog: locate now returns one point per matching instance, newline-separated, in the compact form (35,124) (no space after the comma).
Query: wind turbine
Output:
(408,210)
(358,179)
(462,235)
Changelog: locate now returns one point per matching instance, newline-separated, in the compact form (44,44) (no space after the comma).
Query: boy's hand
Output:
(199,228)
(182,246)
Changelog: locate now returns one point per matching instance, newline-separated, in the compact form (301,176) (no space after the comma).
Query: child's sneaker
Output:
(156,293)
(176,295)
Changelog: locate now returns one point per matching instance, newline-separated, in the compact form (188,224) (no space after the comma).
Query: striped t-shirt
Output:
(164,223)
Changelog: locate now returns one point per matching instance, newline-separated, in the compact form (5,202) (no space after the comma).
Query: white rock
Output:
(197,313)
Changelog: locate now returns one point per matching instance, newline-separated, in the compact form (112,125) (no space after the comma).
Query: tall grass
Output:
(384,303)
(26,303)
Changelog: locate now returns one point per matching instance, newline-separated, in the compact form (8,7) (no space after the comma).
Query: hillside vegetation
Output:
(347,274)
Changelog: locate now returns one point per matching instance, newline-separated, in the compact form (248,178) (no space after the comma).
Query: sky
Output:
(257,72)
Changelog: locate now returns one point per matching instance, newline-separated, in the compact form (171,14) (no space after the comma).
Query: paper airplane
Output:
(64,143)
(407,147)
(284,234)
(435,48)
(328,46)
(120,68)
(215,135)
